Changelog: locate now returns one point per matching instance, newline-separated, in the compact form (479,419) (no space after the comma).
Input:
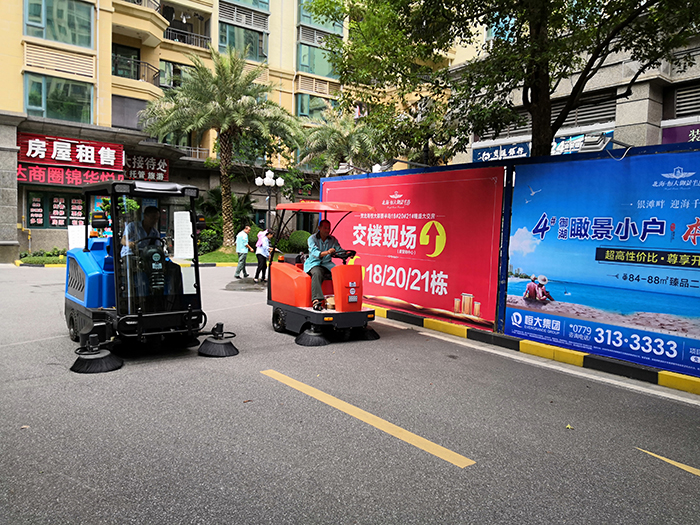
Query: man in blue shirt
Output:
(322,246)
(139,234)
(242,248)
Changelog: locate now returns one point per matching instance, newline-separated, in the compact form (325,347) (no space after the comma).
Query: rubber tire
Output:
(72,332)
(279,323)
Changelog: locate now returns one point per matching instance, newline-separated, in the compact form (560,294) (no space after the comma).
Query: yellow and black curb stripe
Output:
(57,265)
(63,265)
(596,362)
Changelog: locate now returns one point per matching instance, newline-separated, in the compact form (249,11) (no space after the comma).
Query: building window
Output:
(58,98)
(313,60)
(125,61)
(183,140)
(125,112)
(681,101)
(305,18)
(240,38)
(263,5)
(55,210)
(65,21)
(311,106)
(171,74)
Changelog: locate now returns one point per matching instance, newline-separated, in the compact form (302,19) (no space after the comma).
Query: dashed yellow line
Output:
(692,470)
(370,419)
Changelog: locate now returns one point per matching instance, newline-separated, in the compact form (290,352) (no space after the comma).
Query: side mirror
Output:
(99,220)
(200,223)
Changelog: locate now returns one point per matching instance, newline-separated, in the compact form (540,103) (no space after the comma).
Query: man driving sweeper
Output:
(322,246)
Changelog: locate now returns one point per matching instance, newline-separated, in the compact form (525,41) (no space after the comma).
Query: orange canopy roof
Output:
(317,207)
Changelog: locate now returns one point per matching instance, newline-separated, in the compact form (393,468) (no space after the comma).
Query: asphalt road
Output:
(177,438)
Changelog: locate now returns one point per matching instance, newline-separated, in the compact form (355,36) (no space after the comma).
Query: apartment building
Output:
(664,108)
(77,72)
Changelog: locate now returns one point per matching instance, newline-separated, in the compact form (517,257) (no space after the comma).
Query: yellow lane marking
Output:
(370,419)
(674,463)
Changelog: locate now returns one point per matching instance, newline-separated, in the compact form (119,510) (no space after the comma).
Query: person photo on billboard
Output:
(531,289)
(536,289)
(542,293)
(322,246)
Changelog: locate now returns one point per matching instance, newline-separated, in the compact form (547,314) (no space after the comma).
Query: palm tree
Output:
(230,101)
(338,139)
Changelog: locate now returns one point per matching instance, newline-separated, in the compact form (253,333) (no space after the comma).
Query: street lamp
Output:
(269,182)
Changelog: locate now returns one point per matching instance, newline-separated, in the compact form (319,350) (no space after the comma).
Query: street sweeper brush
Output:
(219,343)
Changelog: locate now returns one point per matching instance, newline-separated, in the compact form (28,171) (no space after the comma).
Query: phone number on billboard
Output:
(633,341)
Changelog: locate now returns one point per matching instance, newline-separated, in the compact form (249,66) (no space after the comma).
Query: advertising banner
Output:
(604,258)
(432,245)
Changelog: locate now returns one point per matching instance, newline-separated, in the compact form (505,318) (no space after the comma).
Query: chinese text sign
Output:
(615,243)
(432,244)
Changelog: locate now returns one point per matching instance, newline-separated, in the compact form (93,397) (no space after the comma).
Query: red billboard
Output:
(432,245)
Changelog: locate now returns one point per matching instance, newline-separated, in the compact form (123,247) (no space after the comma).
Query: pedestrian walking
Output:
(262,252)
(242,249)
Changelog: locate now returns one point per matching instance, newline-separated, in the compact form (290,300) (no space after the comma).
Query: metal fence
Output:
(194,152)
(151,4)
(184,37)
(135,69)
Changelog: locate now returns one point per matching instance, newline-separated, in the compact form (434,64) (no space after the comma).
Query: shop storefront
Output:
(51,171)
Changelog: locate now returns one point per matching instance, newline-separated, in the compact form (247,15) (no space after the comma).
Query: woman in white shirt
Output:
(262,252)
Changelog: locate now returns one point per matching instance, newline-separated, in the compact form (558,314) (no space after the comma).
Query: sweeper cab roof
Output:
(325,207)
(141,188)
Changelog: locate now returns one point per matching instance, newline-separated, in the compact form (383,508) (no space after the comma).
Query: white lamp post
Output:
(269,182)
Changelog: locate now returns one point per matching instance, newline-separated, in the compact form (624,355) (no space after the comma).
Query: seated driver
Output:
(137,231)
(322,246)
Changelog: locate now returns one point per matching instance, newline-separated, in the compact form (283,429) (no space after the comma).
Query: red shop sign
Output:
(59,151)
(60,176)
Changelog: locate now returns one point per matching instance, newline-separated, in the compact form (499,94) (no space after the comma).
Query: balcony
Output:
(135,69)
(191,39)
(139,19)
(151,4)
(194,152)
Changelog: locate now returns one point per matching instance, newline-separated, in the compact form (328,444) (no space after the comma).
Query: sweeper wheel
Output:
(72,330)
(279,320)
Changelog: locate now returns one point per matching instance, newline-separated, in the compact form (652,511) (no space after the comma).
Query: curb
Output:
(20,263)
(609,365)
(201,265)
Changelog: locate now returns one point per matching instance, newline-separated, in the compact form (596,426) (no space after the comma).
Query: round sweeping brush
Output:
(94,360)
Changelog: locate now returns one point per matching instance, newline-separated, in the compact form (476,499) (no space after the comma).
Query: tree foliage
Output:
(337,138)
(228,99)
(399,48)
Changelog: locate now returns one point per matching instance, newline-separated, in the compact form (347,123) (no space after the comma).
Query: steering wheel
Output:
(152,238)
(344,254)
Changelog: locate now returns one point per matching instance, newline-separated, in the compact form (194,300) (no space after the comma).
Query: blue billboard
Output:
(604,258)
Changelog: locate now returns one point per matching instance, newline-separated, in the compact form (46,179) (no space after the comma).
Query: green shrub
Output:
(32,259)
(209,241)
(298,241)
(55,252)
(253,235)
(284,246)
